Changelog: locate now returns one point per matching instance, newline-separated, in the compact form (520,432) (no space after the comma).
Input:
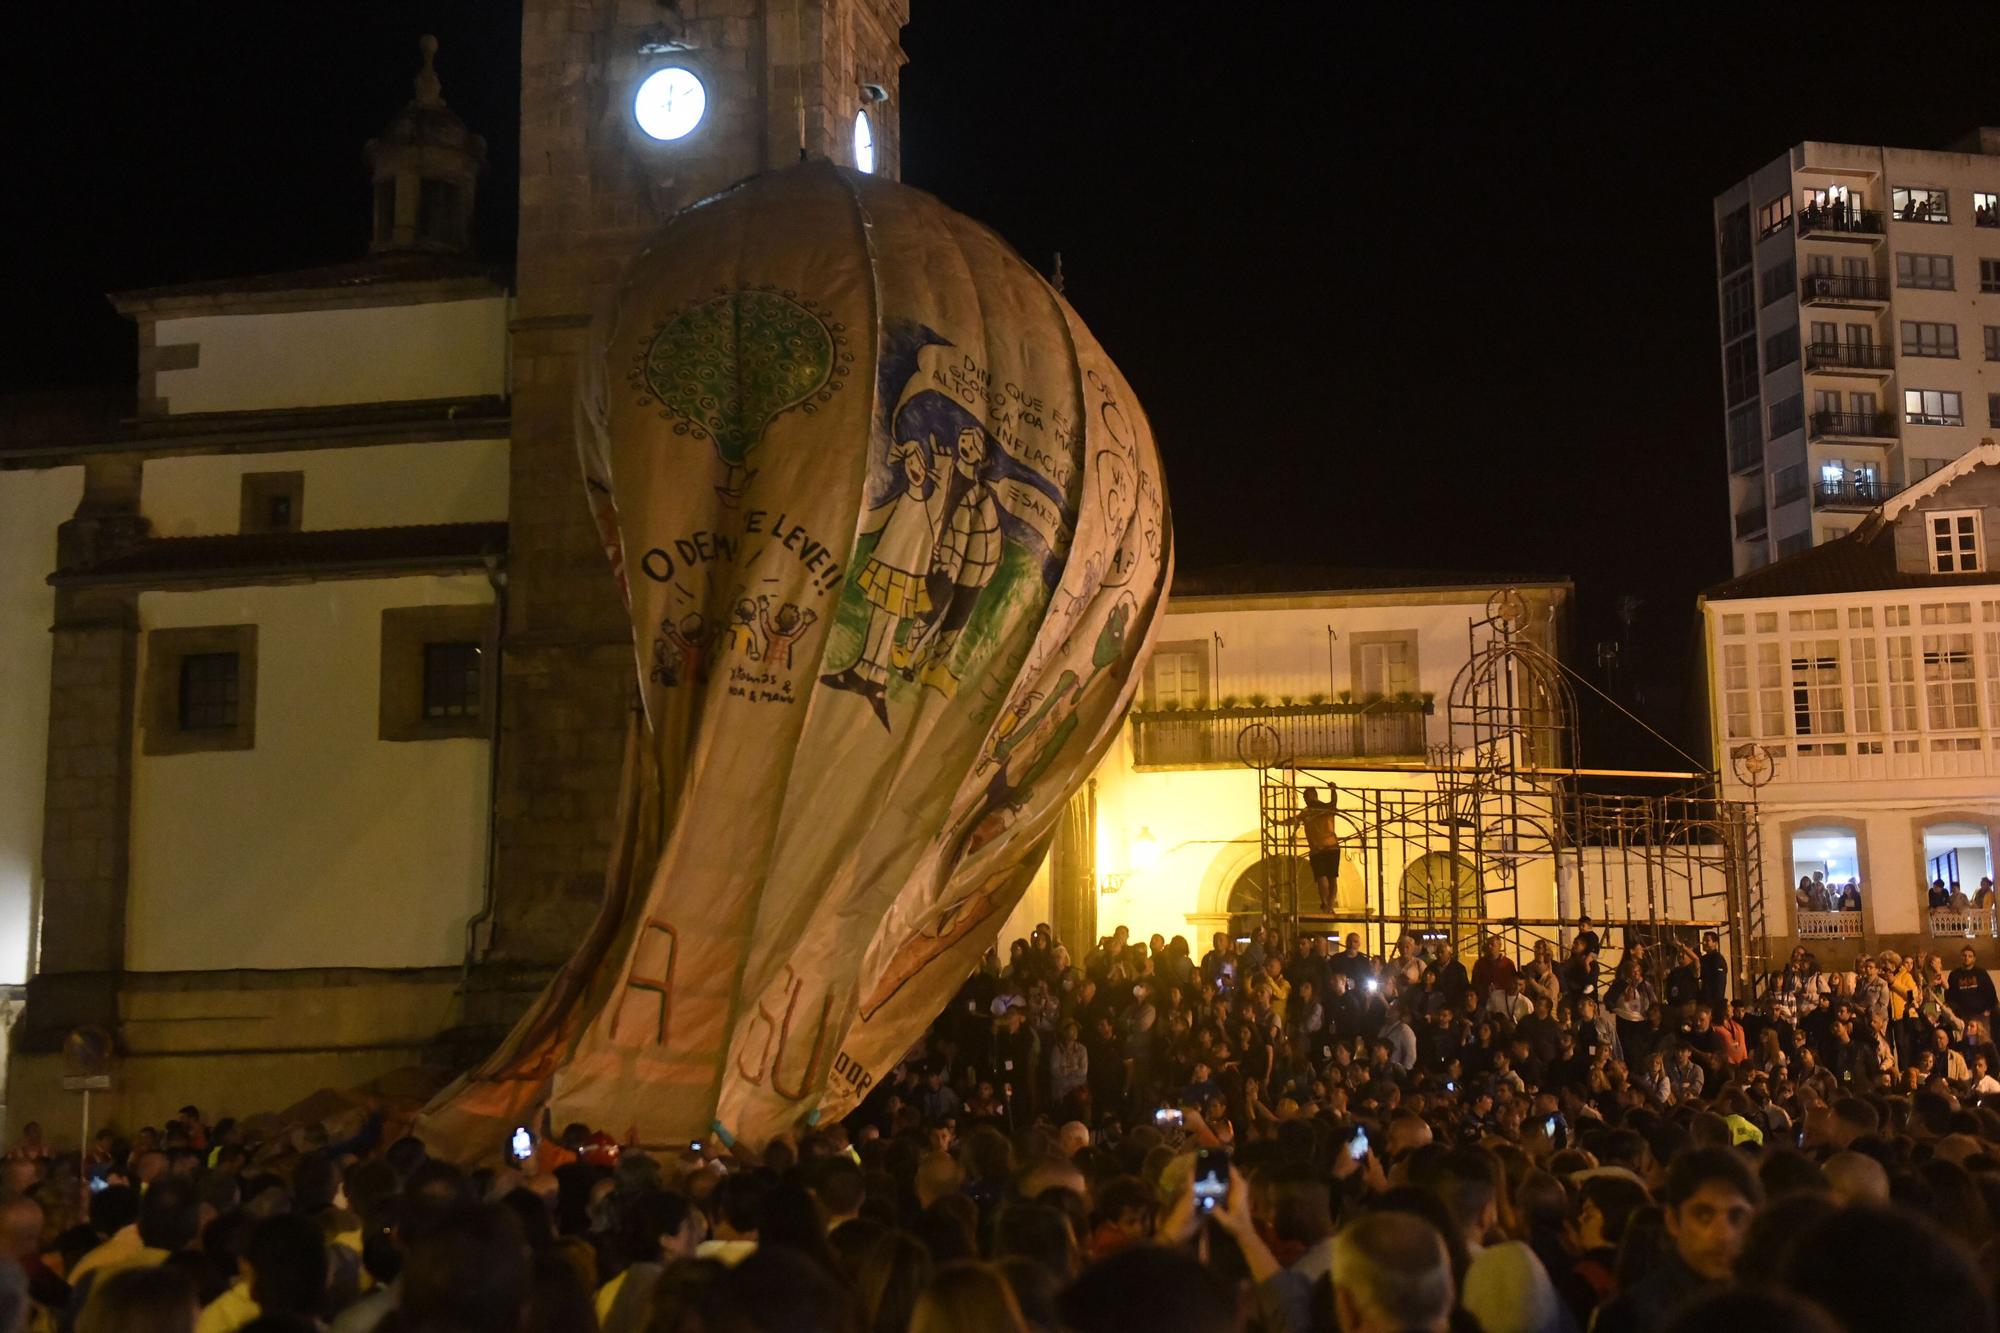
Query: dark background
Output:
(1433,290)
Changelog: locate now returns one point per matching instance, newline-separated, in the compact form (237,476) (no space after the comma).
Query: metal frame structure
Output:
(1651,856)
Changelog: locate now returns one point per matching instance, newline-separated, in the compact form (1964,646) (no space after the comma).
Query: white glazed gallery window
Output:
(1176,678)
(1955,543)
(670,103)
(864,144)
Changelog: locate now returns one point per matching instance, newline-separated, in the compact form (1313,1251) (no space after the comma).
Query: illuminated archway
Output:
(1283,877)
(1431,884)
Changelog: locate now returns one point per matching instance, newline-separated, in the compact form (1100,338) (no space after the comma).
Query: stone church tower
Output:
(781,78)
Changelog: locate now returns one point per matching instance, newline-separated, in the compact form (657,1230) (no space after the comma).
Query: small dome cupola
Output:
(424,167)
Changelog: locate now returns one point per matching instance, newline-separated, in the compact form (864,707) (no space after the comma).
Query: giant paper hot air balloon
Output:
(893,536)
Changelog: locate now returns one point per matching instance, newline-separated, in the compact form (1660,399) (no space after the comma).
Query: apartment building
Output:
(1858,299)
(1854,695)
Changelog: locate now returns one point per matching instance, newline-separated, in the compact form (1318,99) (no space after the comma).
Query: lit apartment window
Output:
(1923,338)
(1985,210)
(1989,275)
(1932,272)
(1933,407)
(1955,542)
(1920,204)
(1774,215)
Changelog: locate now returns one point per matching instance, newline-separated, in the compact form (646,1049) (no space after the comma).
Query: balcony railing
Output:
(1816,220)
(1306,732)
(1862,493)
(1849,356)
(1829,925)
(1829,289)
(1854,425)
(1963,923)
(1750,520)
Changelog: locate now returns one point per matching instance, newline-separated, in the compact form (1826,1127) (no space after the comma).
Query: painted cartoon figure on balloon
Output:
(964,539)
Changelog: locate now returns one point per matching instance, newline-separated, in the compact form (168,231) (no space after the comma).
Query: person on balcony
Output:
(1969,988)
(1959,902)
(1939,896)
(1983,899)
(1850,897)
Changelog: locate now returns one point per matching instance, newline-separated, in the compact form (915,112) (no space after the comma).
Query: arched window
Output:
(1285,877)
(1431,884)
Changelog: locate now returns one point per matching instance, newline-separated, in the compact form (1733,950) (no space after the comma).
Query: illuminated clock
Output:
(669,103)
(864,143)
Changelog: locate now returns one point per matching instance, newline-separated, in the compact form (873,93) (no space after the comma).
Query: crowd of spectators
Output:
(1278,1138)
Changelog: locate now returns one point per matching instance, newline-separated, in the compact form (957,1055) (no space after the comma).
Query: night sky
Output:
(1433,292)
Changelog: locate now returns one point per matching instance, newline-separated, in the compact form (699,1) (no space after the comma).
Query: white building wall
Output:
(319,358)
(323,846)
(1919,777)
(441,481)
(32,505)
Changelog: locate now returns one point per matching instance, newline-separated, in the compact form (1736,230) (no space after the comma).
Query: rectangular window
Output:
(208,698)
(1867,684)
(1902,683)
(1861,617)
(1789,415)
(1945,613)
(1993,409)
(1773,216)
(1739,306)
(1816,706)
(1955,544)
(1796,544)
(1920,204)
(1732,241)
(1782,348)
(1985,210)
(1895,616)
(1736,691)
(1733,624)
(1824,618)
(1739,370)
(1177,676)
(272,501)
(1951,697)
(1991,337)
(1923,338)
(1991,660)
(1788,484)
(1989,275)
(1777,282)
(451,680)
(1926,271)
(1745,441)
(1770,691)
(1933,407)
(1384,665)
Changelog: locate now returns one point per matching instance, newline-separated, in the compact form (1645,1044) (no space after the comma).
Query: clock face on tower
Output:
(864,144)
(669,103)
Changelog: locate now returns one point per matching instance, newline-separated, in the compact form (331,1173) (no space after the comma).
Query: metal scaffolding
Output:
(1499,822)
